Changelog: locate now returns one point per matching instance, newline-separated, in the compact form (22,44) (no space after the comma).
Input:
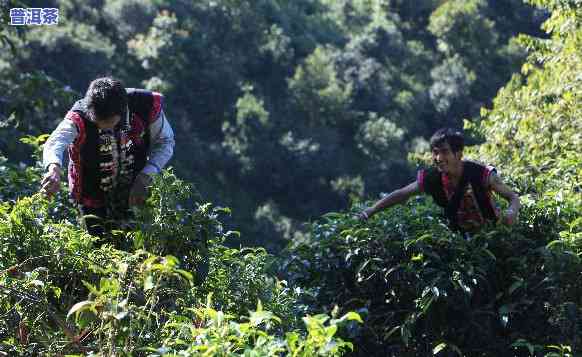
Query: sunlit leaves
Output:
(533,130)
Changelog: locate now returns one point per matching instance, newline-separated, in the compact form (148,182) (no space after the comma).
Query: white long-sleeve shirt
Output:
(160,151)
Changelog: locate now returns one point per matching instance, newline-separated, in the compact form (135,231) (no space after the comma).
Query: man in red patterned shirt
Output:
(462,188)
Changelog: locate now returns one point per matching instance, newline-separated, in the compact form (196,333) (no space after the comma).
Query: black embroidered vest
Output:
(473,174)
(86,173)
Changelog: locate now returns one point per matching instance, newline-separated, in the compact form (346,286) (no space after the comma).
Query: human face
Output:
(108,123)
(445,159)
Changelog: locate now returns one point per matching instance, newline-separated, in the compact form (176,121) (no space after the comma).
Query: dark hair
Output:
(106,97)
(448,135)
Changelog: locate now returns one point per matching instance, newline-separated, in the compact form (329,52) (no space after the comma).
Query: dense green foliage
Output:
(534,131)
(506,291)
(421,287)
(61,291)
(282,108)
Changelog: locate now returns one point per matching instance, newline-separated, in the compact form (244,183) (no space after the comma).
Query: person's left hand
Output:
(139,190)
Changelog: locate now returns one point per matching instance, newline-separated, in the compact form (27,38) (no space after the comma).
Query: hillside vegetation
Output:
(282,109)
(323,79)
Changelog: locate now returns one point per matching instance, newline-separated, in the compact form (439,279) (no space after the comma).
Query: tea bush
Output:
(425,290)
(422,288)
(63,291)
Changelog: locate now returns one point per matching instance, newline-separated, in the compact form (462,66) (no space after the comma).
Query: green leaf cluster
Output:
(63,291)
(421,288)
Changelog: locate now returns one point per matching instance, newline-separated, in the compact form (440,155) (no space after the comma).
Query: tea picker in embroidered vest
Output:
(116,139)
(462,188)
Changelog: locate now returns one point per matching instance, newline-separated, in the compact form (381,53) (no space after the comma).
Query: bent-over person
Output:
(116,138)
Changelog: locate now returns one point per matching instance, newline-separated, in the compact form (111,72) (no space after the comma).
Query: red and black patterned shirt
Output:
(469,216)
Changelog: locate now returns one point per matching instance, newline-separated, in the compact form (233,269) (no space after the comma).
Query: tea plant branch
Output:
(26,261)
(129,290)
(77,341)
(31,259)
(90,260)
(13,308)
(20,294)
(50,311)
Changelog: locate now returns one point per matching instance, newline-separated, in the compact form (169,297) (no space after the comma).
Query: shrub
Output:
(420,286)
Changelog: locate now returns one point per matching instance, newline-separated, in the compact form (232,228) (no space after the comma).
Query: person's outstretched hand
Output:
(365,214)
(139,191)
(51,181)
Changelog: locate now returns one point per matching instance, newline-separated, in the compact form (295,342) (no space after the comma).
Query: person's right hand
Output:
(365,214)
(509,217)
(51,180)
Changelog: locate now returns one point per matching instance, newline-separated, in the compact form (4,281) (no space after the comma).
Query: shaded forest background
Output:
(282,110)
